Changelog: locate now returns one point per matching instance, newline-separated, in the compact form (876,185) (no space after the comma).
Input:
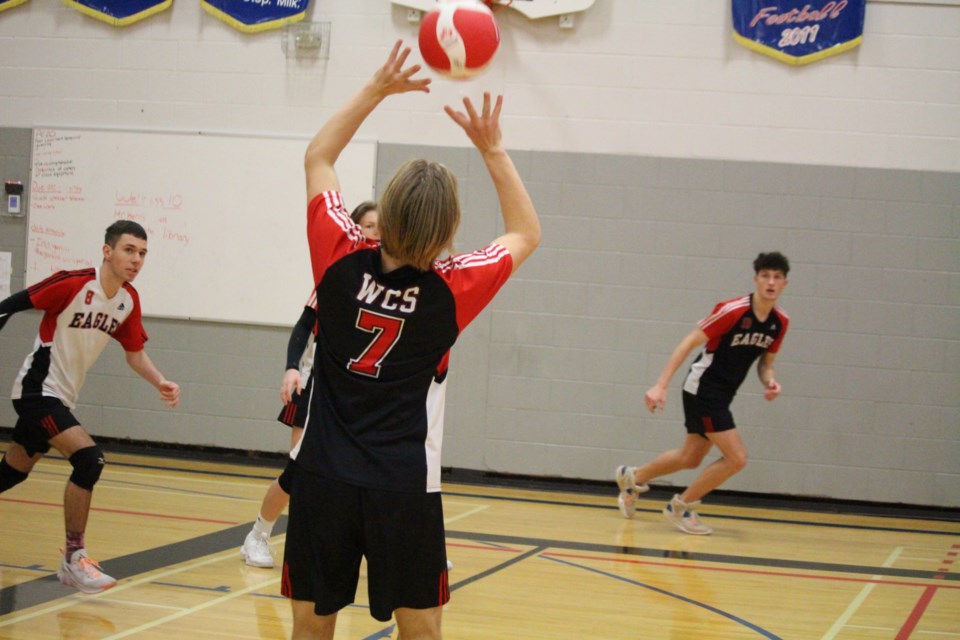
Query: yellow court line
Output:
(465,514)
(148,605)
(851,609)
(186,612)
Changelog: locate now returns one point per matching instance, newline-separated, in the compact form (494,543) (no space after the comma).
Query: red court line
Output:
(921,607)
(779,574)
(123,512)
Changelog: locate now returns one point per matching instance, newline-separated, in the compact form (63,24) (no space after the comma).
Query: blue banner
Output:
(256,15)
(119,12)
(10,4)
(798,32)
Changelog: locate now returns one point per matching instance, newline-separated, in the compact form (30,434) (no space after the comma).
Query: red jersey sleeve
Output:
(331,233)
(475,278)
(131,333)
(724,316)
(784,323)
(53,294)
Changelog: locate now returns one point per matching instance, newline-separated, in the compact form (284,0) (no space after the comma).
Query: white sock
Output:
(263,526)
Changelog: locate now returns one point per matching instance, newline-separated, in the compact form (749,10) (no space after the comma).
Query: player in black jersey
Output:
(368,463)
(736,333)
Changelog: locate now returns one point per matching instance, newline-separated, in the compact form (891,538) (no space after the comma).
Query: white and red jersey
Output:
(78,321)
(382,347)
(736,338)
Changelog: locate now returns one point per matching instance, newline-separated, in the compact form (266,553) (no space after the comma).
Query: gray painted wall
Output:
(549,381)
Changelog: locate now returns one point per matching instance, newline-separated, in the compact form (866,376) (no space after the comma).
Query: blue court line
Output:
(729,616)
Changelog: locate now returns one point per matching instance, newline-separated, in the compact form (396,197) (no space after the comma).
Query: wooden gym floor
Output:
(528,563)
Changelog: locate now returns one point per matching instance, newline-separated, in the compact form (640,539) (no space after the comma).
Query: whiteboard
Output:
(225,215)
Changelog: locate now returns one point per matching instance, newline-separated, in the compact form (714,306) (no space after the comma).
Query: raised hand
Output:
(482,128)
(392,78)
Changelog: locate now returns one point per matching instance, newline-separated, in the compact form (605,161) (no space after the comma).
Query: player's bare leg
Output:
(418,624)
(689,456)
(719,471)
(307,625)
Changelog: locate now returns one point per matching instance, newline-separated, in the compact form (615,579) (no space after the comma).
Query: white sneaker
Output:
(83,574)
(256,550)
(629,490)
(683,516)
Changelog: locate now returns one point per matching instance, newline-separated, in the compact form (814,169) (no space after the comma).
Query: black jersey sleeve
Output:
(19,301)
(299,336)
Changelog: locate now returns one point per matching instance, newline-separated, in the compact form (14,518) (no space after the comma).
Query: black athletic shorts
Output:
(332,525)
(294,413)
(39,419)
(705,415)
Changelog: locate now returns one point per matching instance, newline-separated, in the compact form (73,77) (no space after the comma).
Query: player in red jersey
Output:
(368,464)
(82,309)
(736,333)
(295,393)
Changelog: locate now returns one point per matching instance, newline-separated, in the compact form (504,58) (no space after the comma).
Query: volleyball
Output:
(459,38)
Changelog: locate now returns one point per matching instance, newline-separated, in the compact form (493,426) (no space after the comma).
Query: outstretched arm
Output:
(768,376)
(333,137)
(19,301)
(656,396)
(140,362)
(521,225)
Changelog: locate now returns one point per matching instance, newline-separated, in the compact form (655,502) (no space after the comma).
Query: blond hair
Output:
(419,213)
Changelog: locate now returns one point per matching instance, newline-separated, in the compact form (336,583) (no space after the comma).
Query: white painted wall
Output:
(645,77)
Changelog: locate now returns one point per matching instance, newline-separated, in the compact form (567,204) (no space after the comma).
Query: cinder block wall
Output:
(549,381)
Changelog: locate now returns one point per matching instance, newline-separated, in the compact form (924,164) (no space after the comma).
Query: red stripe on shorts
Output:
(444,587)
(285,582)
(50,425)
(708,424)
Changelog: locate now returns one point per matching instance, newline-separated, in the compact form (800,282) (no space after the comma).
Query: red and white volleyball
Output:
(458,38)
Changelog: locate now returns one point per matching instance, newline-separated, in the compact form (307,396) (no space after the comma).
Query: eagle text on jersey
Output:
(752,340)
(90,320)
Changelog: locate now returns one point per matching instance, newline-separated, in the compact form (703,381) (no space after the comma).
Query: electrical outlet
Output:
(567,21)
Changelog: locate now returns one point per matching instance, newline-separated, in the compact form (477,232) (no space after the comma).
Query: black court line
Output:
(711,558)
(47,589)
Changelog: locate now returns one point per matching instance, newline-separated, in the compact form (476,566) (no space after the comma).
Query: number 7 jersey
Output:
(382,349)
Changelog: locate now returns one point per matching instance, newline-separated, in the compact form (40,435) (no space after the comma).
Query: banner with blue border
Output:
(10,4)
(256,15)
(119,12)
(798,32)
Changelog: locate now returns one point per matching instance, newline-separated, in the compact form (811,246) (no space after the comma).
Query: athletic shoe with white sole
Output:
(83,574)
(256,550)
(629,490)
(683,516)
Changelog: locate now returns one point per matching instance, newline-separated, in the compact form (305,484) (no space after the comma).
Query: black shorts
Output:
(39,419)
(332,525)
(294,413)
(707,415)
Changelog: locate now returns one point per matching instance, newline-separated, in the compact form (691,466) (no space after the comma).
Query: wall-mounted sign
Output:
(119,12)
(260,15)
(798,31)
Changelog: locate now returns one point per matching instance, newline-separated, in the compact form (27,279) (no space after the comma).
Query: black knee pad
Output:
(10,477)
(286,477)
(87,467)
